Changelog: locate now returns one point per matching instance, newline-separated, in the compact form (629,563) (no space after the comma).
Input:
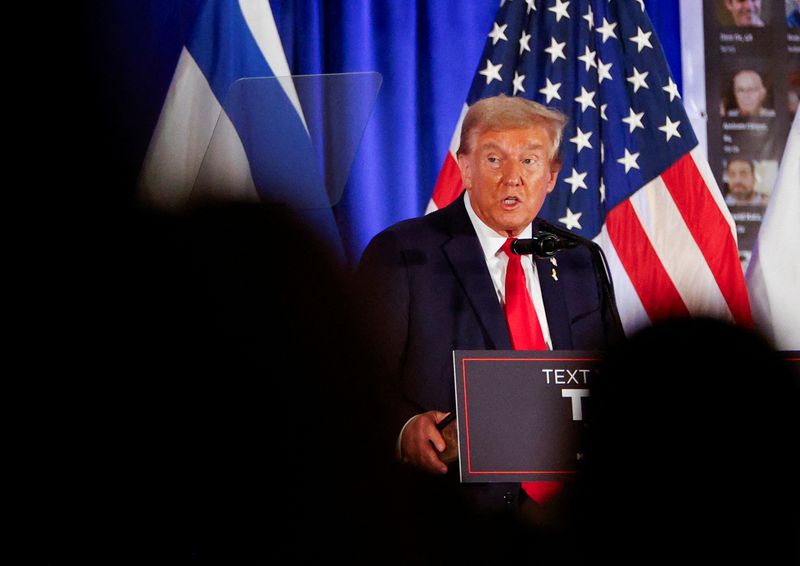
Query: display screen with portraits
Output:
(752,75)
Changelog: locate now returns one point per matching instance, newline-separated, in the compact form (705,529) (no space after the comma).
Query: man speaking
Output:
(449,281)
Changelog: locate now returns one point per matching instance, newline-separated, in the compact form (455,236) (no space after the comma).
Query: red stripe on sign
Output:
(448,185)
(711,231)
(657,292)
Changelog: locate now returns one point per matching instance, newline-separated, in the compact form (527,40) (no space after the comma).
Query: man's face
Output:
(749,92)
(508,174)
(745,12)
(741,181)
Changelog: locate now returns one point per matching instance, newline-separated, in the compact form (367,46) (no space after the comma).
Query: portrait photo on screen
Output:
(748,182)
(747,93)
(743,13)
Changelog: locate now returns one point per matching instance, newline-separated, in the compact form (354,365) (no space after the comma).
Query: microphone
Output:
(543,244)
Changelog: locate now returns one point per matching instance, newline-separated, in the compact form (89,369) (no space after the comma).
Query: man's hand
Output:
(421,442)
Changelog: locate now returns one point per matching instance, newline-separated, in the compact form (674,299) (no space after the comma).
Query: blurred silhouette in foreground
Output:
(222,405)
(692,450)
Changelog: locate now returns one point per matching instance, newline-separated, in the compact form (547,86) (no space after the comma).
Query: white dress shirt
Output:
(497,261)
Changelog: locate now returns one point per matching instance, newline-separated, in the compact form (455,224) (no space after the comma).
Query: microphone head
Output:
(522,247)
(549,244)
(543,244)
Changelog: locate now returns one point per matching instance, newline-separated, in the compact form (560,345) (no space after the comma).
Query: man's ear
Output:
(555,168)
(465,166)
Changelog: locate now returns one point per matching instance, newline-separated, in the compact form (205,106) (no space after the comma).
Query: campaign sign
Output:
(521,414)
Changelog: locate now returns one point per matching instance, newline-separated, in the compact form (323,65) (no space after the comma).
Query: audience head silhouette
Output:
(692,448)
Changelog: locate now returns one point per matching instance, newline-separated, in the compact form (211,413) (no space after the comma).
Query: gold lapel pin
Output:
(554,275)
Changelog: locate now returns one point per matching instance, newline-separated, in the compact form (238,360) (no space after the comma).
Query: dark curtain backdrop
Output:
(427,53)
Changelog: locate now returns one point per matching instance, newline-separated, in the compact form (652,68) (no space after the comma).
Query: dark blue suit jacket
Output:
(429,290)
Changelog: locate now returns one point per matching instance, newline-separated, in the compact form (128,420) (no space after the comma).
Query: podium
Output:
(521,415)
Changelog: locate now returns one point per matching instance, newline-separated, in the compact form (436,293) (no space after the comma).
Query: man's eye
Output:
(530,161)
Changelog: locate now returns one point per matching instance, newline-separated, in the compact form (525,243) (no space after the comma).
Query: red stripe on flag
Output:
(710,230)
(657,292)
(448,185)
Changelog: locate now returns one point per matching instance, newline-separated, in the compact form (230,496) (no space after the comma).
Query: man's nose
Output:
(512,173)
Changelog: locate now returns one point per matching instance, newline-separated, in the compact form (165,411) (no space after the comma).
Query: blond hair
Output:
(511,112)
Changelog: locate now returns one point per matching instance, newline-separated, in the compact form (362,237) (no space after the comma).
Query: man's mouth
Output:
(510,201)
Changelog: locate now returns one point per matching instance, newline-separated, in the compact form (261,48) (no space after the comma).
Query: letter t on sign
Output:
(577,407)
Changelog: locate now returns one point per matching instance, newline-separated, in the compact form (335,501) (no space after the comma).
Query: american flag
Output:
(632,178)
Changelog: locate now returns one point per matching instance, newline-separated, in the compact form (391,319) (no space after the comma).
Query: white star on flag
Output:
(551,90)
(491,72)
(531,6)
(634,120)
(576,181)
(672,89)
(581,140)
(670,128)
(571,220)
(586,99)
(638,79)
(560,9)
(524,42)
(498,33)
(603,70)
(603,112)
(607,30)
(629,161)
(518,83)
(589,17)
(588,58)
(642,39)
(602,189)
(556,50)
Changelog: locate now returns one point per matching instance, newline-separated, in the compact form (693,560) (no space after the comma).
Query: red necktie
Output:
(526,334)
(523,324)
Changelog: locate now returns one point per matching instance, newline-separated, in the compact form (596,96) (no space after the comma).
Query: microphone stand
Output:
(546,244)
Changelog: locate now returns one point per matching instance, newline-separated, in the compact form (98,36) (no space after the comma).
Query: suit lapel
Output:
(555,305)
(465,255)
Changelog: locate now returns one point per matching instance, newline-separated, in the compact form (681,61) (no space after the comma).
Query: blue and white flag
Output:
(203,144)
